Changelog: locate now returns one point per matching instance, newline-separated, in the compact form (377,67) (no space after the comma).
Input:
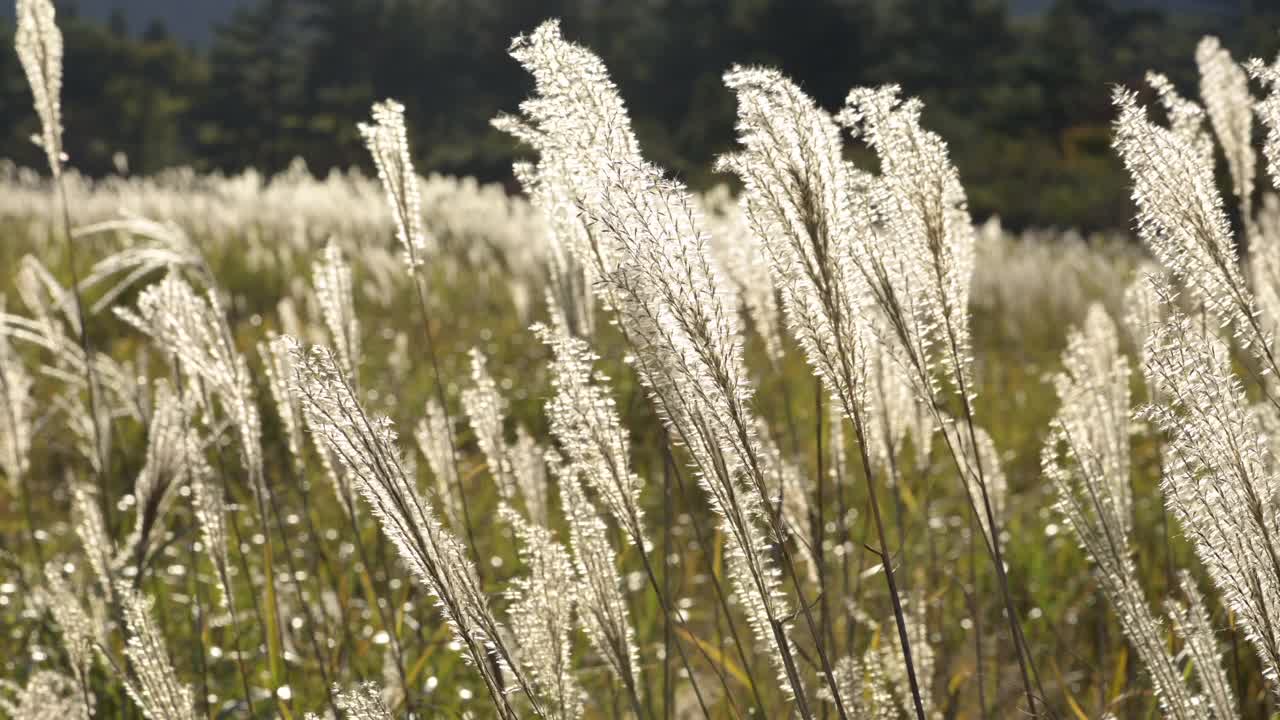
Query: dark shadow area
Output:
(1020,90)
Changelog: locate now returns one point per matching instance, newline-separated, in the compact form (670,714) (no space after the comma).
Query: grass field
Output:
(293,548)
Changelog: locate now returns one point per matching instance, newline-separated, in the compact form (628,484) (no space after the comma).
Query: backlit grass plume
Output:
(17,414)
(39,44)
(366,447)
(676,310)
(601,604)
(48,695)
(1086,457)
(1182,221)
(331,276)
(152,683)
(1219,479)
(362,702)
(919,264)
(193,331)
(432,434)
(541,615)
(388,143)
(1224,88)
(1191,622)
(584,419)
(487,411)
(1268,110)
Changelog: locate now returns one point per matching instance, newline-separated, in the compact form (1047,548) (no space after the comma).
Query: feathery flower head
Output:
(388,143)
(154,686)
(1186,117)
(602,606)
(1190,621)
(584,420)
(81,630)
(1224,88)
(192,330)
(278,373)
(891,656)
(678,312)
(1143,310)
(1268,110)
(362,702)
(17,407)
(979,468)
(331,276)
(1086,457)
(745,261)
(1093,388)
(920,257)
(48,695)
(800,202)
(541,615)
(529,469)
(39,44)
(1181,218)
(487,411)
(573,93)
(366,447)
(1219,476)
(433,436)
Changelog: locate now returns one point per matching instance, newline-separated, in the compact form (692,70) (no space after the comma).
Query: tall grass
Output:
(628,489)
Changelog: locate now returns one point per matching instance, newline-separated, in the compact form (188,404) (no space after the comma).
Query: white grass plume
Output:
(17,413)
(1143,311)
(602,607)
(279,373)
(48,695)
(891,657)
(1224,89)
(432,434)
(1191,622)
(39,44)
(388,143)
(1186,118)
(1086,457)
(361,702)
(864,687)
(1268,110)
(154,490)
(795,201)
(979,468)
(895,413)
(529,468)
(789,496)
(919,262)
(1218,477)
(541,616)
(366,447)
(1182,221)
(517,468)
(672,301)
(487,411)
(584,420)
(152,683)
(82,630)
(91,530)
(745,260)
(572,270)
(331,277)
(193,330)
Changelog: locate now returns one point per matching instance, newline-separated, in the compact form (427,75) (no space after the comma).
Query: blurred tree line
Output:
(1023,100)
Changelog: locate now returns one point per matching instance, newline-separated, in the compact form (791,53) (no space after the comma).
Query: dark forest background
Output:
(1023,97)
